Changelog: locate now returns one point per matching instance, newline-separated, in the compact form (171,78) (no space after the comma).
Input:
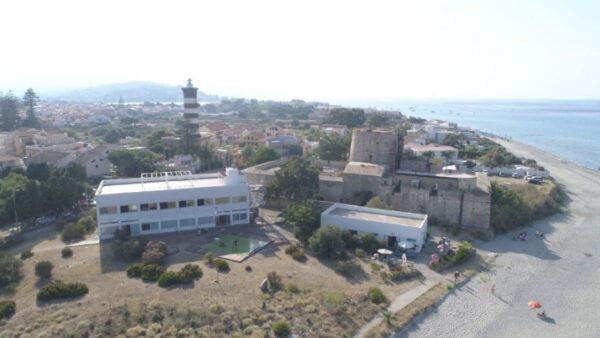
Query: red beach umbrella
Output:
(534,304)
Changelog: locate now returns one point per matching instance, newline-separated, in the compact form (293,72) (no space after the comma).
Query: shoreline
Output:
(541,269)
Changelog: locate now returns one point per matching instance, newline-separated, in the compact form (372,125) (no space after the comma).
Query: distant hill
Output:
(137,91)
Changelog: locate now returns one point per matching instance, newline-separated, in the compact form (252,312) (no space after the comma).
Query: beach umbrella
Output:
(534,304)
(384,252)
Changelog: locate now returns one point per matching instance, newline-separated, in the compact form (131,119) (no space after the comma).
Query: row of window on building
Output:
(189,222)
(172,205)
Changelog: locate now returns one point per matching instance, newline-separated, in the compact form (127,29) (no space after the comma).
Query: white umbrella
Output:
(384,252)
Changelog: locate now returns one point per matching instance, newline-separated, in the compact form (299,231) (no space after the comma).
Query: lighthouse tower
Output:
(191,133)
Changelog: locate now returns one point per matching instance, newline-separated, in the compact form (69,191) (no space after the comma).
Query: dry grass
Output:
(217,305)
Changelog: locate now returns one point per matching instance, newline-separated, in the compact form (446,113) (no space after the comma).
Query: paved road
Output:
(562,271)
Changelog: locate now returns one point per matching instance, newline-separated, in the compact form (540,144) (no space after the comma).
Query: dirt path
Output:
(562,271)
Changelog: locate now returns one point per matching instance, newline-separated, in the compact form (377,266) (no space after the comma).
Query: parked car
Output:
(517,175)
(535,180)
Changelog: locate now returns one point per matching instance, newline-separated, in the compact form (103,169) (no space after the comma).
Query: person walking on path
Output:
(493,289)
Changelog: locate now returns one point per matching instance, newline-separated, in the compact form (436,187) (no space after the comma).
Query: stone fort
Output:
(373,167)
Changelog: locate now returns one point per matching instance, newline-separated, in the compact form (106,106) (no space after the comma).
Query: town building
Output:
(438,151)
(391,227)
(171,201)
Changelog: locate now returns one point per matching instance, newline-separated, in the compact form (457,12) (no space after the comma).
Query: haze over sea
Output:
(568,129)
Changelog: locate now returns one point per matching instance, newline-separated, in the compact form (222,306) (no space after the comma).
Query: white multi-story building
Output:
(169,202)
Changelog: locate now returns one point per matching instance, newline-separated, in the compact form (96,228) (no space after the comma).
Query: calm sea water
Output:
(569,129)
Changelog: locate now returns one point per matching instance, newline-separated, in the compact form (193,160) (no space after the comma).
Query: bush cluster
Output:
(66,252)
(281,328)
(296,253)
(155,252)
(221,265)
(26,254)
(87,223)
(348,268)
(275,282)
(464,252)
(135,270)
(209,257)
(7,308)
(73,231)
(152,272)
(10,269)
(128,249)
(43,269)
(376,295)
(61,290)
(327,242)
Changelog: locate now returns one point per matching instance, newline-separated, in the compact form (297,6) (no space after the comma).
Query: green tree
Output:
(132,163)
(38,171)
(350,117)
(247,153)
(296,180)
(43,269)
(334,148)
(262,155)
(448,155)
(30,100)
(327,242)
(294,150)
(9,111)
(10,269)
(305,218)
(377,120)
(376,202)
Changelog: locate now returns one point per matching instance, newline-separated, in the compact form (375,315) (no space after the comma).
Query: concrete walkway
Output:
(400,303)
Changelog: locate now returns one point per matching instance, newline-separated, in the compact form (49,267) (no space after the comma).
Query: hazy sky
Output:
(327,50)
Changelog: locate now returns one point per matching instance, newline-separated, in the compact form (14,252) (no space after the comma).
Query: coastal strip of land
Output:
(561,270)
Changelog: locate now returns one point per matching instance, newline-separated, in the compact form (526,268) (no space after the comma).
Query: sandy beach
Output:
(562,271)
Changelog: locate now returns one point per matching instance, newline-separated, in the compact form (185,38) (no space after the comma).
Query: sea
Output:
(568,129)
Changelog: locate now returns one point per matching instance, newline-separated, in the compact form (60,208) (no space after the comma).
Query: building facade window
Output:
(108,210)
(206,220)
(168,205)
(168,224)
(238,199)
(186,203)
(129,208)
(188,222)
(222,200)
(150,226)
(204,201)
(240,217)
(148,206)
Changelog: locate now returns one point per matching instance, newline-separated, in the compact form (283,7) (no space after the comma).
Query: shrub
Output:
(209,257)
(7,308)
(333,298)
(66,252)
(293,288)
(73,231)
(221,265)
(248,268)
(152,272)
(10,269)
(129,249)
(155,252)
(398,275)
(327,242)
(26,254)
(369,243)
(360,253)
(350,240)
(88,223)
(348,268)
(43,269)
(299,256)
(281,328)
(296,253)
(376,295)
(274,280)
(135,270)
(61,290)
(169,278)
(465,249)
(190,272)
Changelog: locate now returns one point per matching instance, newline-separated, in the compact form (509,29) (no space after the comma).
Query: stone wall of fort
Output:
(379,147)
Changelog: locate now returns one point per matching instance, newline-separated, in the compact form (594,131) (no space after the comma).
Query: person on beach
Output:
(493,290)
(456,275)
